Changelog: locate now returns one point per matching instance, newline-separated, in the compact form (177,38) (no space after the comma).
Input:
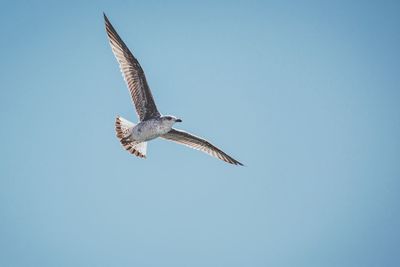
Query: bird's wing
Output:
(133,75)
(192,141)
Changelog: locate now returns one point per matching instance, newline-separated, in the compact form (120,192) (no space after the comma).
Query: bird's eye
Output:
(169,118)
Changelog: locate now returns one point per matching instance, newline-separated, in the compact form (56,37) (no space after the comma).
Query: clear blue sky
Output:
(305,93)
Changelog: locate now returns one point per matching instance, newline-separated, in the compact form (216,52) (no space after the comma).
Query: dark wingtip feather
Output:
(106,20)
(235,162)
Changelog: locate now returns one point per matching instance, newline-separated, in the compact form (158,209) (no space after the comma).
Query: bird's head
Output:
(170,119)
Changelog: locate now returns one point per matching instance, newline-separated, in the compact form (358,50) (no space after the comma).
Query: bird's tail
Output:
(123,129)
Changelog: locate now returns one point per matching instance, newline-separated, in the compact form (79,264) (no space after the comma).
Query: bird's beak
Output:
(178,120)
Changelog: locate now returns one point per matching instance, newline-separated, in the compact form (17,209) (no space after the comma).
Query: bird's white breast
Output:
(150,129)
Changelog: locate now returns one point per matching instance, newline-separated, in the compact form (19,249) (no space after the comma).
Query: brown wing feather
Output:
(192,141)
(133,75)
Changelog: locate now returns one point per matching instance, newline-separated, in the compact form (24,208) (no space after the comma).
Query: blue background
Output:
(305,93)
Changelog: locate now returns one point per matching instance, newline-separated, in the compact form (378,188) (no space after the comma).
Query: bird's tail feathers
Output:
(123,130)
(123,127)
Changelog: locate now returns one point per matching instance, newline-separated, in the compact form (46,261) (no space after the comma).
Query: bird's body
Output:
(150,129)
(152,124)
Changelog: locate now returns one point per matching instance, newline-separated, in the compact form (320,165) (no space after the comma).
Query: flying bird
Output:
(152,124)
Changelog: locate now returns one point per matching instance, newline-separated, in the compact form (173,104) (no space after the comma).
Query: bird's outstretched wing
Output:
(187,139)
(133,75)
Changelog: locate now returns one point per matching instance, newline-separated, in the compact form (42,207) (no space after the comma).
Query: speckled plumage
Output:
(150,129)
(152,124)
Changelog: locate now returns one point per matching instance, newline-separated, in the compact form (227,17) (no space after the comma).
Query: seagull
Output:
(152,124)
